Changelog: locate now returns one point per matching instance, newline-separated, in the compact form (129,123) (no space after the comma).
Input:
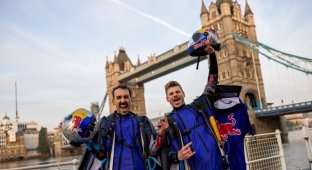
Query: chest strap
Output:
(189,130)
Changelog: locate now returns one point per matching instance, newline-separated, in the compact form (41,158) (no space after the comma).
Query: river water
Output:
(31,162)
(295,151)
(295,155)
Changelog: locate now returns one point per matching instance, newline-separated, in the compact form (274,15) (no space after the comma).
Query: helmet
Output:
(200,39)
(78,127)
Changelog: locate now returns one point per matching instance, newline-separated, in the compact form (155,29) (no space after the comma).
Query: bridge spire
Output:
(247,9)
(203,9)
(204,15)
(138,62)
(107,63)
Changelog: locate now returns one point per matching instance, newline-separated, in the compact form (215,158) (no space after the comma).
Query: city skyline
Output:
(57,51)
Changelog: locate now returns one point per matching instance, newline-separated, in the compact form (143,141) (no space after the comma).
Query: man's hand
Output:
(185,152)
(209,49)
(162,126)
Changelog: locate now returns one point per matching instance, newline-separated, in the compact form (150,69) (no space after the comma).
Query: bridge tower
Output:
(122,64)
(239,65)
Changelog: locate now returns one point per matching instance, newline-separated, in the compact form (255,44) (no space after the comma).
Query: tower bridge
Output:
(238,63)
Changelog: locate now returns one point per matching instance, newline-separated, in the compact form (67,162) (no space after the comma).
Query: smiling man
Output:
(124,139)
(121,99)
(193,144)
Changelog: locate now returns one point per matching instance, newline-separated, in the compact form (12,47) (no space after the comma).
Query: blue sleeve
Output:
(98,145)
(212,81)
(203,103)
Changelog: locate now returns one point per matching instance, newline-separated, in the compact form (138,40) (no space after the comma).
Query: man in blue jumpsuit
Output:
(119,138)
(197,148)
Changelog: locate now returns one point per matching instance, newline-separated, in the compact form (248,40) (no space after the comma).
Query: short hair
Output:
(172,84)
(122,86)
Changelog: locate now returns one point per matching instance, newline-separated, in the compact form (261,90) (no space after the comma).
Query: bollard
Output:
(75,164)
(307,141)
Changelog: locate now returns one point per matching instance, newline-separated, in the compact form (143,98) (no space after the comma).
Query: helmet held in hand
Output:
(78,127)
(200,39)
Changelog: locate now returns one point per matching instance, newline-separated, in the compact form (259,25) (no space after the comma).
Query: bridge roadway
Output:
(165,63)
(177,58)
(303,107)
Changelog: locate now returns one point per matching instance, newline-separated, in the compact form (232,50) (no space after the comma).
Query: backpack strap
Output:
(112,135)
(177,135)
(146,130)
(142,134)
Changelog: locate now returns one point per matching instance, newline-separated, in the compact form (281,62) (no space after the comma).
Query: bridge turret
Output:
(123,60)
(116,67)
(204,15)
(238,65)
(226,13)
(250,19)
(120,65)
(225,6)
(237,12)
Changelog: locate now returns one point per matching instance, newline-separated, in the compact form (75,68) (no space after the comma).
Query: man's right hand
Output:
(209,49)
(185,152)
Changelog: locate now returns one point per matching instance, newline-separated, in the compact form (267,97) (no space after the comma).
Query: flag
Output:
(233,124)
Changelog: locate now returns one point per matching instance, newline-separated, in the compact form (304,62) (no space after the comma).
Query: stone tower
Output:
(238,65)
(121,64)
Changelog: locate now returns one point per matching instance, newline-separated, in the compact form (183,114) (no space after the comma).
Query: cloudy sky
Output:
(57,50)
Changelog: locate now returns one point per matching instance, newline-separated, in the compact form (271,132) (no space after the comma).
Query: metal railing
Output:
(307,135)
(302,107)
(264,151)
(74,162)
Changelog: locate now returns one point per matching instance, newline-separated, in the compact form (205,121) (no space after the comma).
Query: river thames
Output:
(295,155)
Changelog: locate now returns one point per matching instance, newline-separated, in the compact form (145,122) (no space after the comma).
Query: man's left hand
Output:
(162,126)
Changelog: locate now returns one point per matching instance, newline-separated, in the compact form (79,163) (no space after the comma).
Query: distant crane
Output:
(102,106)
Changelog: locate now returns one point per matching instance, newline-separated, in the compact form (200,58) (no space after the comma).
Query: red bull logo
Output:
(76,120)
(226,129)
(202,43)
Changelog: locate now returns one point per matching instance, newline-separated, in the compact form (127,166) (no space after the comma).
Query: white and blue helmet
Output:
(78,127)
(200,39)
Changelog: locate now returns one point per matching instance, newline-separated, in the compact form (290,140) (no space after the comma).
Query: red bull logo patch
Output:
(226,129)
(76,120)
(202,43)
(78,117)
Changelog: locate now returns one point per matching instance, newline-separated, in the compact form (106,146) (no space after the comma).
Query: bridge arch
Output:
(251,100)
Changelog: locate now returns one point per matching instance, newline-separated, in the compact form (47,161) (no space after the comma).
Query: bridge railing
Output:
(264,151)
(285,109)
(74,162)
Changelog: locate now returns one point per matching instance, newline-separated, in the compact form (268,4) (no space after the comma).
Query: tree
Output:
(43,146)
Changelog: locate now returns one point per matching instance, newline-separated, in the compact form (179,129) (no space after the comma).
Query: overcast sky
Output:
(57,50)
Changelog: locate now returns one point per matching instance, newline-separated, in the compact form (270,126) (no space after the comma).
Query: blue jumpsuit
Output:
(128,152)
(194,129)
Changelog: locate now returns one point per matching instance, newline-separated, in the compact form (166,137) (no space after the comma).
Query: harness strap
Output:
(149,161)
(105,162)
(188,131)
(122,141)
